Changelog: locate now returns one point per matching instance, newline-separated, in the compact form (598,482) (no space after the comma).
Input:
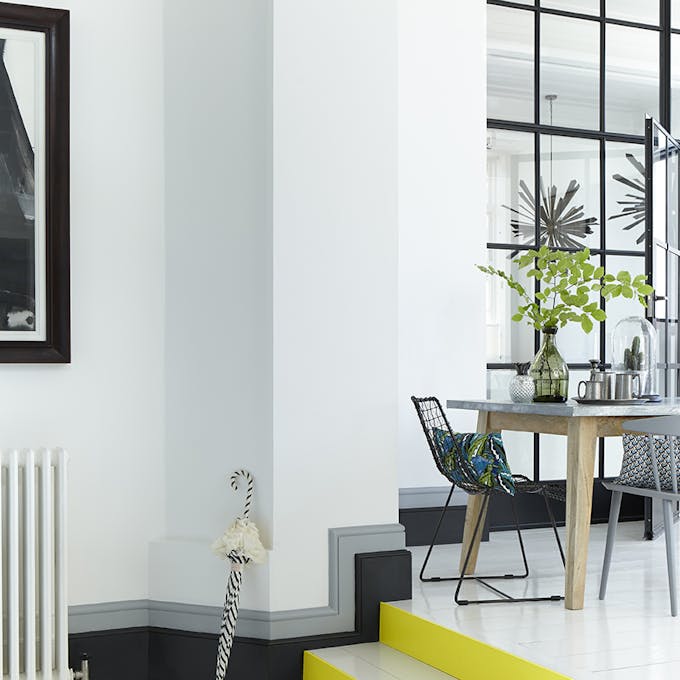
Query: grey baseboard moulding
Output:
(343,544)
(429,497)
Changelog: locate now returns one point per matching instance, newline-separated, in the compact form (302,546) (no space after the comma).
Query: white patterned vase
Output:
(522,388)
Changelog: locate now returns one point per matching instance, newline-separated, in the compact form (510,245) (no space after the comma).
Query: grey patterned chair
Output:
(650,467)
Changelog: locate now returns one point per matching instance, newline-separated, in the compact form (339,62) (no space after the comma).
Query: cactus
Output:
(633,358)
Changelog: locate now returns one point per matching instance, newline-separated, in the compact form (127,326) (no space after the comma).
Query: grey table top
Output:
(666,407)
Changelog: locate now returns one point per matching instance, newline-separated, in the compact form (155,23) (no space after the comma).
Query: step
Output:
(413,648)
(453,653)
(367,661)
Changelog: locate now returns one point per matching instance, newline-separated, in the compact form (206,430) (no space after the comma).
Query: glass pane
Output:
(625,195)
(659,282)
(510,64)
(619,308)
(519,447)
(506,340)
(672,187)
(553,450)
(672,303)
(497,384)
(675,13)
(510,172)
(675,82)
(662,382)
(570,62)
(659,185)
(613,453)
(576,346)
(673,344)
(672,383)
(578,6)
(640,11)
(632,78)
(661,336)
(570,192)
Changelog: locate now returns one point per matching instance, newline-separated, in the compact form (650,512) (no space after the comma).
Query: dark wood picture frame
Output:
(56,346)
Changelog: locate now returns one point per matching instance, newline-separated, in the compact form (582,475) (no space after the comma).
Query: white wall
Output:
(106,407)
(442,228)
(279,343)
(335,281)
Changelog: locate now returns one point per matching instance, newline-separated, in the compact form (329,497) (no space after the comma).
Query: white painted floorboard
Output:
(375,661)
(629,635)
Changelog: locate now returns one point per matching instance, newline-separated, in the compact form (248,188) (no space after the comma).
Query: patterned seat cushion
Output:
(474,461)
(636,467)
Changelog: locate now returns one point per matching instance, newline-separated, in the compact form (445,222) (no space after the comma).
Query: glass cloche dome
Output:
(634,350)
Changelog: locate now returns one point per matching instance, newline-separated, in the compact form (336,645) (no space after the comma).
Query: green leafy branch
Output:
(567,281)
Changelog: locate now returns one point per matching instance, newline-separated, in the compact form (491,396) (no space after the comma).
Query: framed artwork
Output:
(34,185)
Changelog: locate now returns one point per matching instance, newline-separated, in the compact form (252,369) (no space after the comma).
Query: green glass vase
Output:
(549,371)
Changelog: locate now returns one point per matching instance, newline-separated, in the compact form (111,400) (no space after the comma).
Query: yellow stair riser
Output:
(315,668)
(454,653)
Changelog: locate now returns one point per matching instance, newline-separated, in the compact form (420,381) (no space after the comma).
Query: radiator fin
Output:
(33,599)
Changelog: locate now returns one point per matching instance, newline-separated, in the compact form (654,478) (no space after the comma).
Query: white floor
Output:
(629,635)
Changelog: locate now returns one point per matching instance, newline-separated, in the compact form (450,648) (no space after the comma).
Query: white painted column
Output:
(335,282)
(281,137)
(218,290)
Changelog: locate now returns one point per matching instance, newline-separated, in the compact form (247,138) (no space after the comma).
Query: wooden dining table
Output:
(582,425)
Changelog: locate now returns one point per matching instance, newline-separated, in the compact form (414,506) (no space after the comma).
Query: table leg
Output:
(581,445)
(475,505)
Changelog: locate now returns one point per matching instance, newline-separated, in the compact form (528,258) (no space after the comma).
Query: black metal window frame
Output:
(664,308)
(601,135)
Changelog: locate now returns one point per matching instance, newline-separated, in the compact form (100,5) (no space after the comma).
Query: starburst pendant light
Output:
(560,224)
(633,209)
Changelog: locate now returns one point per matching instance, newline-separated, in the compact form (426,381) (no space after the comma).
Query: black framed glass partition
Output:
(663,253)
(569,86)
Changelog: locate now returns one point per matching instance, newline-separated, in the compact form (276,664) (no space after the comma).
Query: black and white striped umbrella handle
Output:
(238,561)
(249,492)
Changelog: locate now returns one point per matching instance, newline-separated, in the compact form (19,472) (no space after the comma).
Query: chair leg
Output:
(504,597)
(614,510)
(475,577)
(463,570)
(434,538)
(513,503)
(669,530)
(553,523)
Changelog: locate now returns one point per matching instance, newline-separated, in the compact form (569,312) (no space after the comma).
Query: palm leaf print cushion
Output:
(475,459)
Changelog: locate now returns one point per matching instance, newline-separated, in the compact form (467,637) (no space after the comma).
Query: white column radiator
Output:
(34,622)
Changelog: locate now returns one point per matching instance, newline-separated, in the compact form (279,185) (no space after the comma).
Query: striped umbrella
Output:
(240,544)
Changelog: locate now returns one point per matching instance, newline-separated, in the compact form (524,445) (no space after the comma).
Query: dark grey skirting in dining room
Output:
(421,522)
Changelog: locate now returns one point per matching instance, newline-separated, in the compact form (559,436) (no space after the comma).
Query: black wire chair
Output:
(433,420)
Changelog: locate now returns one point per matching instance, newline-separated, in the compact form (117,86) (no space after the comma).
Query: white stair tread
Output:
(375,661)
